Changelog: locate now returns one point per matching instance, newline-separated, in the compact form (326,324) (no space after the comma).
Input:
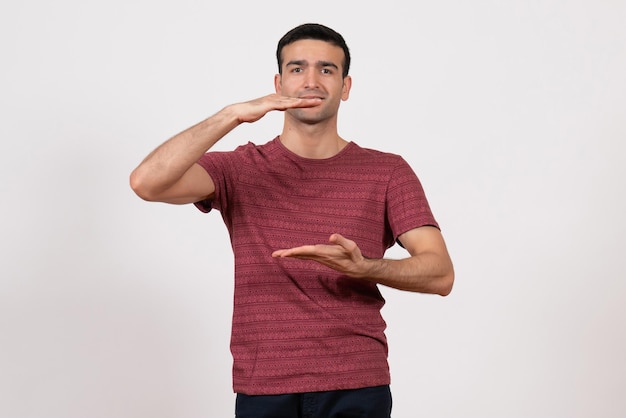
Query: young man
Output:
(310,216)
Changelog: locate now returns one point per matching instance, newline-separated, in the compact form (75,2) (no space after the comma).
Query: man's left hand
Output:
(340,254)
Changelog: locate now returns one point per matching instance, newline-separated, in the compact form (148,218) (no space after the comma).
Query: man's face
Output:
(313,69)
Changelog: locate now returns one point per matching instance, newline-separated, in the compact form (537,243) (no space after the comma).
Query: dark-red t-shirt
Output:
(299,326)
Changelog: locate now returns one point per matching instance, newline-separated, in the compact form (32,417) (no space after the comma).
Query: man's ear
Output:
(278,83)
(347,85)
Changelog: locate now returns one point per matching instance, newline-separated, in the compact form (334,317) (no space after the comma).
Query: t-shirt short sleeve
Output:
(407,206)
(219,165)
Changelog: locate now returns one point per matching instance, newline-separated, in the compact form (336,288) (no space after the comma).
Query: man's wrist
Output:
(373,268)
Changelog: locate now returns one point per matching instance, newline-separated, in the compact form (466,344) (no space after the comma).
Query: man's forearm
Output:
(168,162)
(423,273)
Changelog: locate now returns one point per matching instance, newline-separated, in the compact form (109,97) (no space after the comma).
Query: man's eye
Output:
(326,71)
(297,70)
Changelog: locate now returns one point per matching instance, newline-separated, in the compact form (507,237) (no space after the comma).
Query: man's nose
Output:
(312,79)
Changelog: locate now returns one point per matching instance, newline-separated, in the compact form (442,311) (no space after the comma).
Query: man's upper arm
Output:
(424,239)
(427,245)
(194,186)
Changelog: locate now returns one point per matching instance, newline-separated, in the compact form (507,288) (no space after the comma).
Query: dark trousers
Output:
(372,402)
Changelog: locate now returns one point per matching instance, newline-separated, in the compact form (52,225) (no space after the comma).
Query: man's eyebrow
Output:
(304,63)
(299,63)
(327,64)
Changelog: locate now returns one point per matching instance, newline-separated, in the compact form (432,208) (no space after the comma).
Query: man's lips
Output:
(312,95)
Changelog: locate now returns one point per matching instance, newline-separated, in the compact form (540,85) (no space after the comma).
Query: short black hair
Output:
(317,32)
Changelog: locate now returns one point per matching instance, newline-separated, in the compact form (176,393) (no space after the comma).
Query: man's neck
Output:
(312,141)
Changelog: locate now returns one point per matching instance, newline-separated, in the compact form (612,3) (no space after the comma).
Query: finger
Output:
(290,252)
(339,239)
(294,102)
(310,102)
(303,251)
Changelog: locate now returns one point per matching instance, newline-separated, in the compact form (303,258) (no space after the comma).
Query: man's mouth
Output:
(312,96)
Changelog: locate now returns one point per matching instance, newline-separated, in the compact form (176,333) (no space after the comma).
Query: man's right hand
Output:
(254,110)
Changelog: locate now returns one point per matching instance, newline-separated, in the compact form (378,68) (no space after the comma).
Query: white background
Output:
(513,114)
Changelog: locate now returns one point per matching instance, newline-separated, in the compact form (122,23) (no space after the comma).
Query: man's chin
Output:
(307,115)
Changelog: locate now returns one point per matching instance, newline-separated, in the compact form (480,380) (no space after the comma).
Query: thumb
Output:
(337,239)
